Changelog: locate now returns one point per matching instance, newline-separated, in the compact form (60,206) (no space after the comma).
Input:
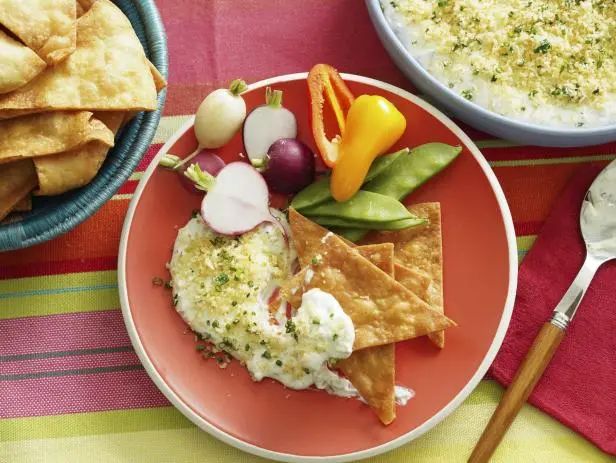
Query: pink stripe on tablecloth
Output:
(207,57)
(80,393)
(62,332)
(78,360)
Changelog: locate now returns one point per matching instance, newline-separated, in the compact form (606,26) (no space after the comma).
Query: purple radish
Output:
(237,199)
(266,124)
(208,162)
(289,166)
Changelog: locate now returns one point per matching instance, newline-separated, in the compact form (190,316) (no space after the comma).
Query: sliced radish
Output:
(237,201)
(266,124)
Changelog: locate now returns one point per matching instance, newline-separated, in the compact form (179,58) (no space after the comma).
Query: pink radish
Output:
(237,199)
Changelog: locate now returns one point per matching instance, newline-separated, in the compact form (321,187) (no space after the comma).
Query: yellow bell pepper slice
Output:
(373,125)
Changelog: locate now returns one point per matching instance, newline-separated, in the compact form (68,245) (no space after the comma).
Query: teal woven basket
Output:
(55,215)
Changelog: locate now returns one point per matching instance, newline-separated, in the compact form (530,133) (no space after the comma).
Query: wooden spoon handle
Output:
(523,383)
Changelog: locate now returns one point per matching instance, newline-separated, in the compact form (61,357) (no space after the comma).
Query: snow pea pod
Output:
(318,192)
(406,175)
(365,206)
(410,172)
(393,225)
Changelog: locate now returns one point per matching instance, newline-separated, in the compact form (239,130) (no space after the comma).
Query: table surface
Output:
(71,386)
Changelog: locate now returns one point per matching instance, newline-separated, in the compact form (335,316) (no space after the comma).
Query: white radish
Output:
(237,199)
(267,124)
(219,116)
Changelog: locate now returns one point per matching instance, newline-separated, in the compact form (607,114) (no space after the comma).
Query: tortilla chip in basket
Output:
(58,173)
(383,311)
(421,248)
(17,180)
(49,133)
(46,26)
(18,64)
(24,205)
(108,71)
(159,80)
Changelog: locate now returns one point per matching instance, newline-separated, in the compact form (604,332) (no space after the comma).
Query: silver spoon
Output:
(598,225)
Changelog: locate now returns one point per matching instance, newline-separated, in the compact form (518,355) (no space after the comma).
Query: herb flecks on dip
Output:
(222,287)
(541,61)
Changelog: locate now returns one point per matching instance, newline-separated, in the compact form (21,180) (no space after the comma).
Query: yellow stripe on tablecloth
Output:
(168,126)
(56,294)
(152,435)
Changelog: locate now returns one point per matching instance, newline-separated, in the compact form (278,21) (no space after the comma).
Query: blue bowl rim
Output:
(137,136)
(380,22)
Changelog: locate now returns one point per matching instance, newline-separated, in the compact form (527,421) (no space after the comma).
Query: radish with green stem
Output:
(237,199)
(266,124)
(219,116)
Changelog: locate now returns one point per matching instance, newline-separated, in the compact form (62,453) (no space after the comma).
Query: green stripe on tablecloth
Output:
(552,160)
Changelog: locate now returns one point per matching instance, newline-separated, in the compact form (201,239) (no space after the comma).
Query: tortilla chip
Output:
(413,279)
(47,27)
(128,116)
(370,370)
(18,64)
(80,10)
(24,205)
(108,71)
(17,180)
(62,172)
(421,248)
(49,133)
(373,370)
(383,311)
(159,80)
(86,4)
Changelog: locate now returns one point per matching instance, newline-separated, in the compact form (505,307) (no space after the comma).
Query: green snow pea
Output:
(406,175)
(318,192)
(365,206)
(410,172)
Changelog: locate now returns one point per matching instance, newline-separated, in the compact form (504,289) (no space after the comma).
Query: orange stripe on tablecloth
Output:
(98,236)
(532,190)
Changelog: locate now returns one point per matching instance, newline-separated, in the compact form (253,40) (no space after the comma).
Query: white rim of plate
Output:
(210,428)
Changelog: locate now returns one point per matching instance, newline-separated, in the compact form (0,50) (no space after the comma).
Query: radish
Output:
(237,199)
(266,124)
(220,115)
(206,161)
(288,166)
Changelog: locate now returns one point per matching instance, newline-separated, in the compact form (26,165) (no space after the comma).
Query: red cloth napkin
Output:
(579,386)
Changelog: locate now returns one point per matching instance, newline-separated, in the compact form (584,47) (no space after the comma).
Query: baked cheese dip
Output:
(222,287)
(547,62)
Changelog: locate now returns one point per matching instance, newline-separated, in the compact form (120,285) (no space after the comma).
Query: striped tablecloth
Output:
(71,387)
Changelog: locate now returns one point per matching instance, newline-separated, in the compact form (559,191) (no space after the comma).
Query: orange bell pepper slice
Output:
(324,83)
